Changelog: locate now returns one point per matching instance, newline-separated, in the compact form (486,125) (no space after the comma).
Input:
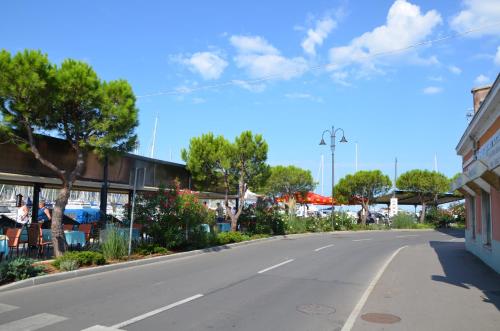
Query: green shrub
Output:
(160,250)
(225,238)
(295,225)
(69,265)
(115,246)
(404,221)
(148,249)
(83,258)
(172,219)
(259,236)
(262,217)
(19,269)
(438,217)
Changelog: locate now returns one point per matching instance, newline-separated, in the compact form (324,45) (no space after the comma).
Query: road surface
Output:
(304,283)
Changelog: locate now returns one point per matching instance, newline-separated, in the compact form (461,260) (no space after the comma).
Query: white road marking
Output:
(101,328)
(362,239)
(32,323)
(357,309)
(275,266)
(408,235)
(318,249)
(456,239)
(5,308)
(155,312)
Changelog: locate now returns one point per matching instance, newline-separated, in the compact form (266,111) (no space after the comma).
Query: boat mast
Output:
(154,138)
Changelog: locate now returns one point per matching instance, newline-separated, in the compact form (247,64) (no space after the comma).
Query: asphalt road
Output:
(307,283)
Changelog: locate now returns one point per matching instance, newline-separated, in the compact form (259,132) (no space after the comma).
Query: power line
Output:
(234,82)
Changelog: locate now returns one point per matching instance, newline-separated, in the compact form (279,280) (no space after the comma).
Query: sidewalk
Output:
(436,286)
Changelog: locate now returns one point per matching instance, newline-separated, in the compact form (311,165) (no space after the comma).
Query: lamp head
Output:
(343,140)
(322,142)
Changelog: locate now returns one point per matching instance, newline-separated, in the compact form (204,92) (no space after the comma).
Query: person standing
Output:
(22,214)
(219,211)
(43,213)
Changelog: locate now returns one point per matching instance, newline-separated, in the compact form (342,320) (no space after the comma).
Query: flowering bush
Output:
(172,217)
(262,218)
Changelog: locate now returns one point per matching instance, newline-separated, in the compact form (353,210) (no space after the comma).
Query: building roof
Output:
(412,198)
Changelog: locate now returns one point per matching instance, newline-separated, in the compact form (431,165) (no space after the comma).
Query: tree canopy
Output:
(215,162)
(288,181)
(427,184)
(71,102)
(365,185)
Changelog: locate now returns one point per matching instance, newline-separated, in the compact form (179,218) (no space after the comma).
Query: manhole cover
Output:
(380,318)
(315,309)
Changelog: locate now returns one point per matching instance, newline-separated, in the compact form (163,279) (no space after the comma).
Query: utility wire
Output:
(233,82)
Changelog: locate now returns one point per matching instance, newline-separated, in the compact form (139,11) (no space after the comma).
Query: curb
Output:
(157,259)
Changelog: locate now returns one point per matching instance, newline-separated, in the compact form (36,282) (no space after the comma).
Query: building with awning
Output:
(479,148)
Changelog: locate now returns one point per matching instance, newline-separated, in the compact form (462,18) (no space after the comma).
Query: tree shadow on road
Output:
(465,270)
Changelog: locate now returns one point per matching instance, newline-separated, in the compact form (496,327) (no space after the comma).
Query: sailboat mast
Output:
(154,138)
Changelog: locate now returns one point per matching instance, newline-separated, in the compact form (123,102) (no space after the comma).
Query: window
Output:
(486,216)
(472,215)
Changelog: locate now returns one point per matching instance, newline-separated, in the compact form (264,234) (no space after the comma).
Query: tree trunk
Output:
(291,206)
(58,239)
(422,214)
(364,214)
(241,198)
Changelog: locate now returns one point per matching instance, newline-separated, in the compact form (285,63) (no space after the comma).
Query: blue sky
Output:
(285,69)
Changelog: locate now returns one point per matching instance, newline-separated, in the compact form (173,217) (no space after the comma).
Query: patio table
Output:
(4,246)
(73,238)
(224,227)
(205,228)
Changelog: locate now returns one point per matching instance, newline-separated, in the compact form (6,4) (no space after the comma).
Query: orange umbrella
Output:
(310,198)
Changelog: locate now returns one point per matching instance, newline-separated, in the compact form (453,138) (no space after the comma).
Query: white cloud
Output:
(317,36)
(252,45)
(497,57)
(252,87)
(478,13)
(262,60)
(208,64)
(303,96)
(481,80)
(455,70)
(432,90)
(340,77)
(406,25)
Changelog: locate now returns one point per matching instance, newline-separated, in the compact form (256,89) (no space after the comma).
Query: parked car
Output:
(374,217)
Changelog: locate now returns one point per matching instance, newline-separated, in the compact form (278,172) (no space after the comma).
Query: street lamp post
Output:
(333,133)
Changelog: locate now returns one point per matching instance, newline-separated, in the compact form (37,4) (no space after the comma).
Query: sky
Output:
(396,75)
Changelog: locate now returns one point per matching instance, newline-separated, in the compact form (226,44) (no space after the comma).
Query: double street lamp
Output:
(333,133)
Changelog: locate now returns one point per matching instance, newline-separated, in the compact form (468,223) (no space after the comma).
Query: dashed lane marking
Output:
(275,266)
(321,248)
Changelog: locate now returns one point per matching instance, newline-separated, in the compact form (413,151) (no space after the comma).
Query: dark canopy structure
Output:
(412,198)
